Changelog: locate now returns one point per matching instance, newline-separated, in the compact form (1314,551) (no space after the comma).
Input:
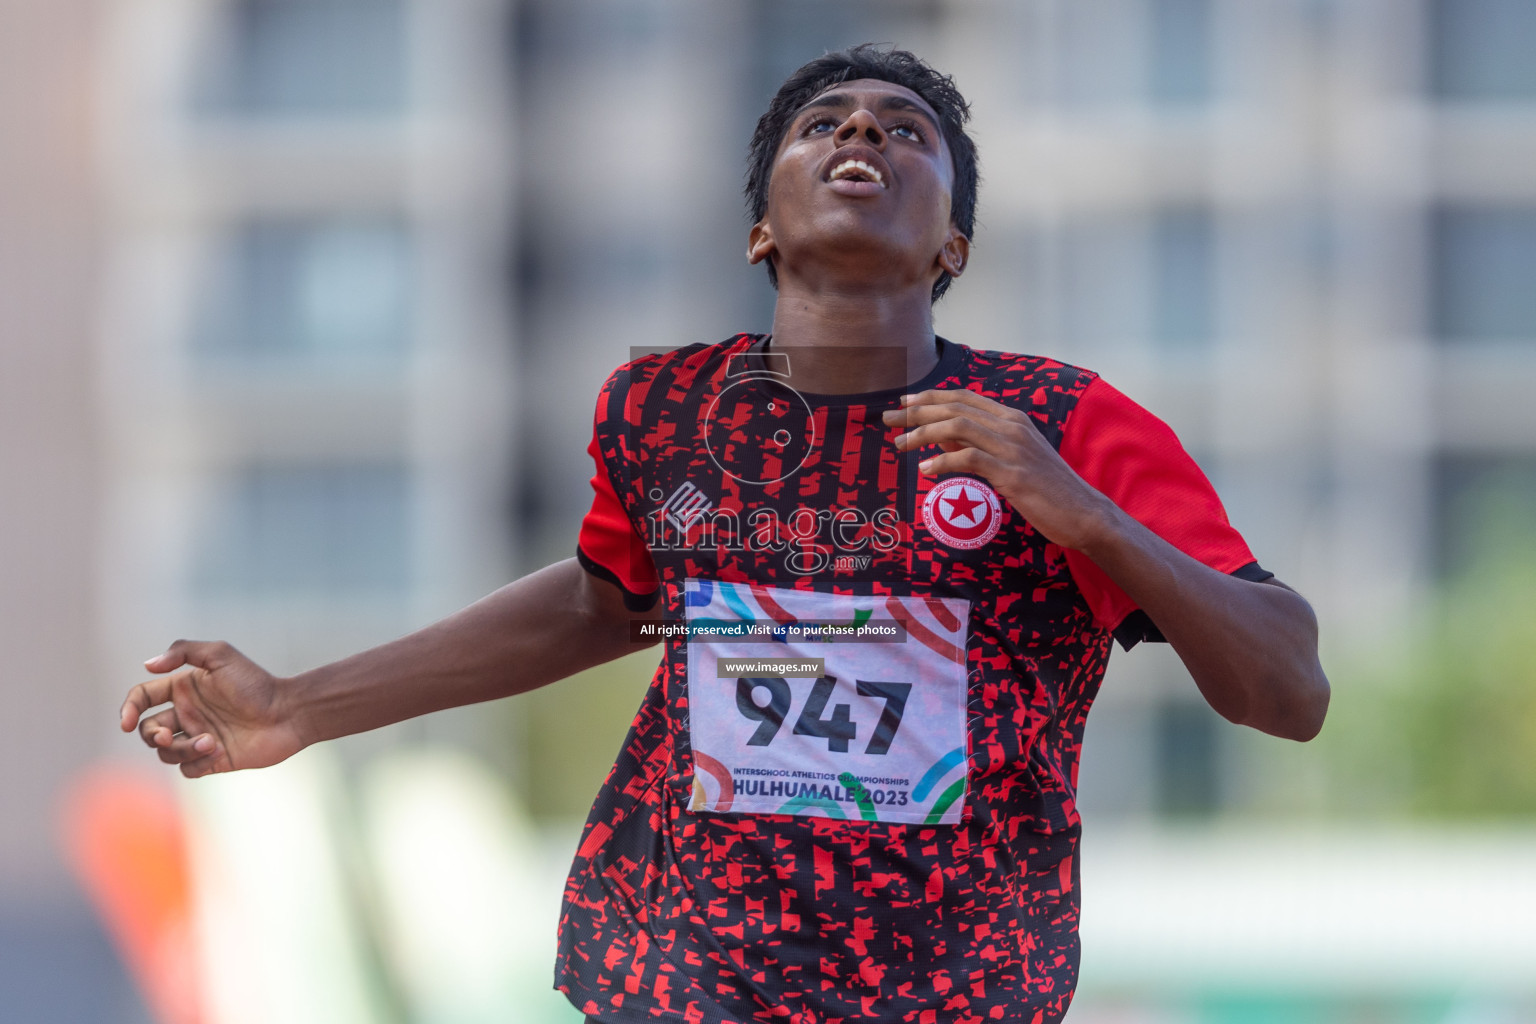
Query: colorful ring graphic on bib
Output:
(963,512)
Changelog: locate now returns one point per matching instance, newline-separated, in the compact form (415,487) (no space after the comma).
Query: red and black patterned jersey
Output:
(854,897)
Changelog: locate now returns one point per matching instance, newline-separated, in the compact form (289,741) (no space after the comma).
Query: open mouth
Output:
(856,170)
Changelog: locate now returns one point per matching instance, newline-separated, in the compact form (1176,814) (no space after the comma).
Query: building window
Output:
(1483,270)
(1180,41)
(1484,508)
(1135,51)
(1183,272)
(1139,278)
(787,33)
(335,288)
(1482,50)
(1184,745)
(307,57)
(321,529)
(1103,281)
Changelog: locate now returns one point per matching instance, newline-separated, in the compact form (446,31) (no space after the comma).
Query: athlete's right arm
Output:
(227,712)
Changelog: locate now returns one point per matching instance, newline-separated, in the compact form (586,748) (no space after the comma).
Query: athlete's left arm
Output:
(1251,647)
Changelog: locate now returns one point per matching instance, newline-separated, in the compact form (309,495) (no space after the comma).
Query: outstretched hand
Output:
(226,711)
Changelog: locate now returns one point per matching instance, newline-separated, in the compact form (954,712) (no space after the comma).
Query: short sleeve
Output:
(609,546)
(1135,460)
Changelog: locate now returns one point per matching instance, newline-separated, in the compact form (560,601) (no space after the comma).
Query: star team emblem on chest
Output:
(963,512)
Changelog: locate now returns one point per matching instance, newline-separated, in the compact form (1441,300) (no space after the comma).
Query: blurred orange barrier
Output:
(126,839)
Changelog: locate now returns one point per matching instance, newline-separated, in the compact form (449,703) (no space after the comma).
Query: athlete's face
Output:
(861,185)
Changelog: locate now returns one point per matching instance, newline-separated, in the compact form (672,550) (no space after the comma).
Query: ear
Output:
(760,244)
(955,253)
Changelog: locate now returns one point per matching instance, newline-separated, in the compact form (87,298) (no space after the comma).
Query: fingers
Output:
(181,734)
(957,420)
(184,750)
(173,742)
(204,766)
(169,659)
(930,407)
(159,729)
(193,722)
(952,432)
(202,654)
(208,654)
(917,415)
(955,396)
(140,699)
(966,460)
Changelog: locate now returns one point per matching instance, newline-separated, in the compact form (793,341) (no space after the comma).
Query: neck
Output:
(852,342)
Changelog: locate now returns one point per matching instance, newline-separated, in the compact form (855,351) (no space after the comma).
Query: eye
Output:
(815,127)
(906,130)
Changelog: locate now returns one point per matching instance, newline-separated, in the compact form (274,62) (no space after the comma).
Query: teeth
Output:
(848,166)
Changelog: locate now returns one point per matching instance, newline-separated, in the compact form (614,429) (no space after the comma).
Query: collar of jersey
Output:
(950,358)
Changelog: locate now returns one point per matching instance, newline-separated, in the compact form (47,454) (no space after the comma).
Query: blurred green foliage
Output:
(1444,724)
(568,734)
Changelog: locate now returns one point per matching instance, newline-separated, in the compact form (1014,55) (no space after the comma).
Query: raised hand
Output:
(1002,445)
(226,711)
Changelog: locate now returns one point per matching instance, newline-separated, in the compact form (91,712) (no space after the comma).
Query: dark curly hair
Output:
(868,60)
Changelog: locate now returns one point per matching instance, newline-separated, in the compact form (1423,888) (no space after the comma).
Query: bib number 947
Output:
(838,729)
(877,732)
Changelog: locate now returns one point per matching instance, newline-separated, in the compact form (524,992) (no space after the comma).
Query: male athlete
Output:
(887,568)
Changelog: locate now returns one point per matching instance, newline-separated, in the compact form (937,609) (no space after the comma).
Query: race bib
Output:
(842,706)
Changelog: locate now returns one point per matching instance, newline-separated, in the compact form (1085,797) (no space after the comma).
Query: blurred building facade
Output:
(339,279)
(372,259)
(54,960)
(308,366)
